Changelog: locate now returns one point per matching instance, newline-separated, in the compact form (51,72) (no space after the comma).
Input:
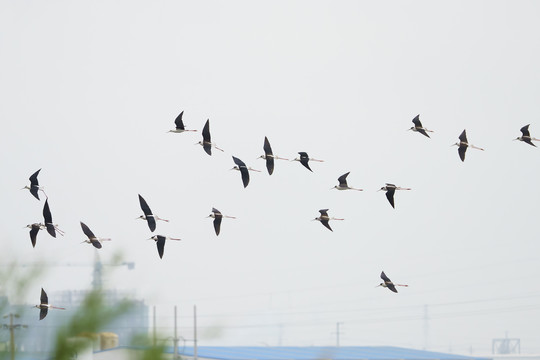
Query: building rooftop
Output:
(318,353)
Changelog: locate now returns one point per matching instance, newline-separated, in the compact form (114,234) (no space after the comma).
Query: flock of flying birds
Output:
(269,157)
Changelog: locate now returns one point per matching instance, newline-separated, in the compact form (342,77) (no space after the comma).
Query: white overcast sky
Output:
(90,88)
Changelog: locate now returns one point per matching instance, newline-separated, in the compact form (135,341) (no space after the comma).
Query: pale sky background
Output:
(90,88)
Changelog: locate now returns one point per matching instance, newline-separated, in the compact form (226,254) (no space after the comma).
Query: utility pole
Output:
(11,326)
(195,332)
(175,339)
(338,332)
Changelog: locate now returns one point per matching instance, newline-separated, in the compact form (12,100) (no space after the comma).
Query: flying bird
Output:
(324,219)
(343,183)
(418,126)
(34,229)
(218,216)
(160,242)
(387,283)
(390,191)
(148,216)
(463,144)
(207,142)
(305,159)
(47,216)
(92,239)
(244,170)
(44,305)
(526,137)
(269,156)
(34,185)
(180,128)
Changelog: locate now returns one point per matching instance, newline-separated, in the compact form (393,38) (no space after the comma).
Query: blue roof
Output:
(318,353)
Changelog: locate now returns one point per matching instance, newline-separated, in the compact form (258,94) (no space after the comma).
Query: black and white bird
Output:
(218,216)
(304,159)
(526,136)
(244,170)
(324,219)
(390,191)
(387,283)
(418,126)
(160,242)
(148,216)
(34,229)
(343,183)
(269,156)
(206,143)
(463,144)
(180,128)
(92,239)
(49,225)
(34,185)
(44,305)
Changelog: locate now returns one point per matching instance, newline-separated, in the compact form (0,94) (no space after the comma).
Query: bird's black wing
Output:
(391,287)
(43,298)
(463,136)
(326,224)
(239,162)
(217,224)
(216,212)
(96,244)
(144,206)
(385,278)
(86,230)
(270,164)
(47,216)
(416,121)
(343,179)
(179,123)
(43,313)
(206,132)
(304,159)
(390,195)
(324,212)
(33,234)
(160,245)
(33,179)
(525,130)
(34,191)
(208,148)
(151,223)
(461,151)
(267,148)
(422,131)
(529,141)
(245,176)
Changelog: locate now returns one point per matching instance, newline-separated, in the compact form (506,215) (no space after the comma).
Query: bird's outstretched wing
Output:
(160,245)
(43,298)
(217,224)
(525,130)
(42,313)
(390,196)
(343,179)
(86,230)
(179,123)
